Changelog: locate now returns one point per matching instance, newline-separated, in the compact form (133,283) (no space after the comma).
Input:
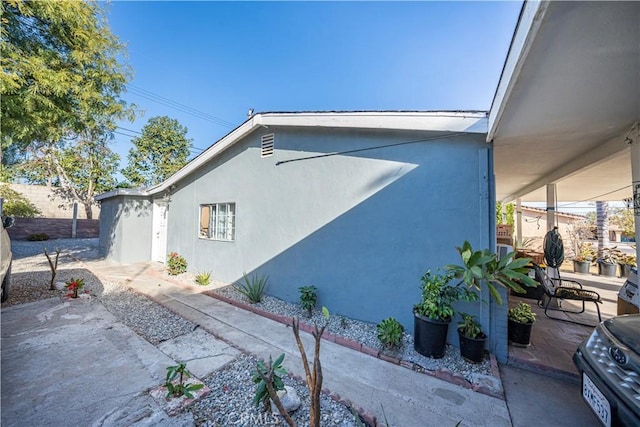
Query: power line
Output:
(337,153)
(595,198)
(129,130)
(180,107)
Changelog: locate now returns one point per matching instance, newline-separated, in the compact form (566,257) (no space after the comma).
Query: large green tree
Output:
(158,153)
(624,218)
(62,74)
(76,170)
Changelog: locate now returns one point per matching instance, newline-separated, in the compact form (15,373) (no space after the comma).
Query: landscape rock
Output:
(289,399)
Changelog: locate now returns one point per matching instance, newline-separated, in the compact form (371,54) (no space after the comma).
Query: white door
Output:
(159,242)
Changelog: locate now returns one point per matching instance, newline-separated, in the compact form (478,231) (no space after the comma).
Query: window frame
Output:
(214,227)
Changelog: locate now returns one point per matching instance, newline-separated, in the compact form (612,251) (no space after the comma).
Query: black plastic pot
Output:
(520,333)
(472,349)
(429,336)
(608,270)
(581,267)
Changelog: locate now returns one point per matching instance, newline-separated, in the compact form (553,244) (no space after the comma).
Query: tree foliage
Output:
(624,218)
(77,170)
(161,150)
(61,71)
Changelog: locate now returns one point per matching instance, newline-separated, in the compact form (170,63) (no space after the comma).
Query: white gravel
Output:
(230,401)
(366,333)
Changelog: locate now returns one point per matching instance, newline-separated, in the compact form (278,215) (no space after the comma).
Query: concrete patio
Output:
(553,342)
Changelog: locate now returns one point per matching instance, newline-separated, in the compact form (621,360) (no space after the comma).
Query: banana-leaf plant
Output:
(483,266)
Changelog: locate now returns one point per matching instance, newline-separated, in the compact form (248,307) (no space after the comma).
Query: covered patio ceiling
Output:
(568,99)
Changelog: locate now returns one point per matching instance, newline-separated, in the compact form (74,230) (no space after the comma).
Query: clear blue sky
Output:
(222,58)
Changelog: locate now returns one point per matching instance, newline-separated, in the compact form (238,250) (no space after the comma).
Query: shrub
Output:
(469,327)
(203,278)
(16,204)
(390,332)
(180,389)
(37,237)
(266,376)
(252,288)
(308,298)
(522,313)
(176,264)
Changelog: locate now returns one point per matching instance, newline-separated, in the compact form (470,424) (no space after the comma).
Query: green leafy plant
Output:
(253,287)
(522,313)
(469,327)
(204,278)
(176,264)
(630,260)
(483,267)
(179,388)
(438,296)
(74,286)
(37,237)
(308,298)
(390,332)
(586,253)
(611,256)
(268,377)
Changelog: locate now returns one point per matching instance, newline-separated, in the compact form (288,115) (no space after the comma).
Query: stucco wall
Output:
(534,227)
(361,227)
(125,229)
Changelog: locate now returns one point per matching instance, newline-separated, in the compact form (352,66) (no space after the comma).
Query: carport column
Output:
(635,178)
(551,206)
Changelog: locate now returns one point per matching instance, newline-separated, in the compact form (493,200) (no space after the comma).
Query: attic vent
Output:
(267,145)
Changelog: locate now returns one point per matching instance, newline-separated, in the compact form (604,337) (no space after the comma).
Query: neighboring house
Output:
(358,204)
(534,227)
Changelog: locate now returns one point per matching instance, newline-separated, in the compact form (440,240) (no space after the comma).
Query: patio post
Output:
(635,179)
(551,206)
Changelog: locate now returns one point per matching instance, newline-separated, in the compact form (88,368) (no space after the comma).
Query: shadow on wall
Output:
(367,262)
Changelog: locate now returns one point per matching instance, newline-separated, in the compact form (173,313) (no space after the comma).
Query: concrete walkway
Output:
(407,398)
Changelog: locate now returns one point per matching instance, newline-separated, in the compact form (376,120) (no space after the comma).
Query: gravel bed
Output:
(232,390)
(31,276)
(230,401)
(366,333)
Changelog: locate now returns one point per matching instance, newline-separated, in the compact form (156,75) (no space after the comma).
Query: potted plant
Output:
(628,261)
(434,312)
(480,267)
(583,259)
(608,262)
(472,339)
(520,322)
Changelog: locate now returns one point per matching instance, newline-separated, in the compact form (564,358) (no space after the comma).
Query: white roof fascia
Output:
(471,122)
(455,121)
(121,192)
(228,140)
(532,15)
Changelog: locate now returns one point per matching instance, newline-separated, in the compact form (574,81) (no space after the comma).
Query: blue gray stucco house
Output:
(358,204)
